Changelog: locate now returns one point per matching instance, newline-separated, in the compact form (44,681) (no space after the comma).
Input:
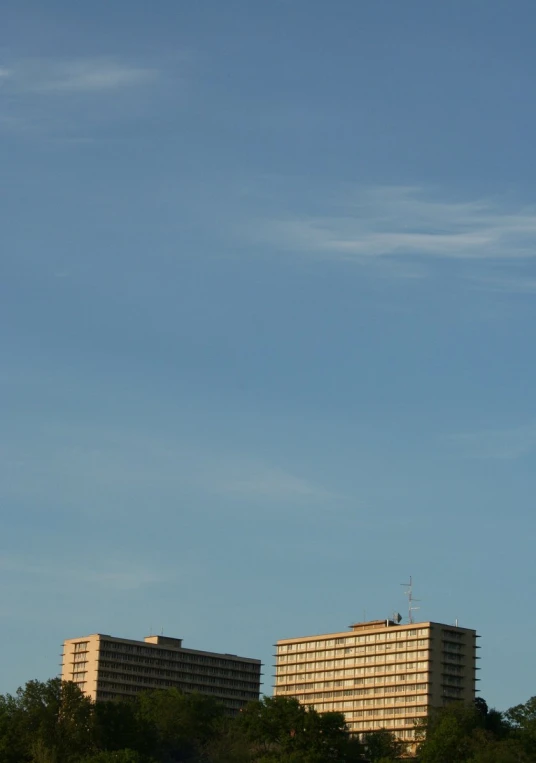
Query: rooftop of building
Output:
(375,626)
(161,641)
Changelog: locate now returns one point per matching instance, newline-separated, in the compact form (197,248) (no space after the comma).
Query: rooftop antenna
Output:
(409,593)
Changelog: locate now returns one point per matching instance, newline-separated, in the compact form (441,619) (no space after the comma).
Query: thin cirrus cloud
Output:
(405,222)
(122,576)
(497,444)
(506,285)
(276,484)
(89,459)
(91,75)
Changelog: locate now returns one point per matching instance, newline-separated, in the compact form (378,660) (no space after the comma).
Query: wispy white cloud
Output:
(497,444)
(12,123)
(55,98)
(118,463)
(125,579)
(256,481)
(405,221)
(77,76)
(505,284)
(121,576)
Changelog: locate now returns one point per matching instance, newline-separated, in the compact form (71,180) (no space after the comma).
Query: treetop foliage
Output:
(53,722)
(476,734)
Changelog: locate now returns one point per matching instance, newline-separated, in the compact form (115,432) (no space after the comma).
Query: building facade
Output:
(107,668)
(380,674)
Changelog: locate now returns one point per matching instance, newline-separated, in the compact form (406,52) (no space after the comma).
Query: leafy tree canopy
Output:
(53,722)
(382,746)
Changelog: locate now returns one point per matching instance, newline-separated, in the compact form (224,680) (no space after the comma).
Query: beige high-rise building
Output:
(381,675)
(106,667)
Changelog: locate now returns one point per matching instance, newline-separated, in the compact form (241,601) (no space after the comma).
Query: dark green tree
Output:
(46,722)
(230,744)
(115,756)
(476,734)
(12,749)
(522,720)
(118,726)
(280,729)
(181,724)
(273,723)
(492,720)
(487,749)
(382,745)
(447,733)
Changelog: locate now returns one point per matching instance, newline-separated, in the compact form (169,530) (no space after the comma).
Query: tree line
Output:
(54,722)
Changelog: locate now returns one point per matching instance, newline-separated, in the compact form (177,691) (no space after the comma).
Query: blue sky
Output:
(267,298)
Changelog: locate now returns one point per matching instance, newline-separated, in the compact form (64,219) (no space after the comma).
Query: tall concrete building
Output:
(106,667)
(380,674)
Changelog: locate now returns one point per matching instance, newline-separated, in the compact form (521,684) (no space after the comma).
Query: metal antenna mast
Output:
(409,593)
